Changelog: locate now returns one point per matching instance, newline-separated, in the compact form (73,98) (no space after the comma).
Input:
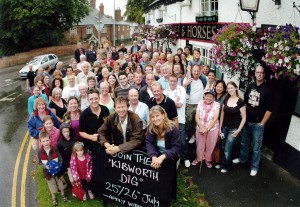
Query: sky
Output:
(109,6)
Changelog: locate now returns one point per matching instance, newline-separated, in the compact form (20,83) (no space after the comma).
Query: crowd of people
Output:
(120,100)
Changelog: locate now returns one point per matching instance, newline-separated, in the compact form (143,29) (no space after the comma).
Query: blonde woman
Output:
(162,139)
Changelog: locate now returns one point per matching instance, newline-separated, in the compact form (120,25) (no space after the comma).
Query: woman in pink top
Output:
(207,130)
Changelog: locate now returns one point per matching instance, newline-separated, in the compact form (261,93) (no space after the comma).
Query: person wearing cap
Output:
(207,129)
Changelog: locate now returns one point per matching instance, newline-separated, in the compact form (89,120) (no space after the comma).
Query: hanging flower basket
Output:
(282,51)
(234,49)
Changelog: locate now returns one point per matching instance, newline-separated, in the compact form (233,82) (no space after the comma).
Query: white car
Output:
(39,61)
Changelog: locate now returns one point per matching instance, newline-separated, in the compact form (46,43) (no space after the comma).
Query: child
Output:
(45,154)
(81,168)
(54,133)
(65,145)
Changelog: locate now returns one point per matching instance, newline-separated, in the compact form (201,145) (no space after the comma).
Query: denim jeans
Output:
(184,144)
(227,145)
(251,132)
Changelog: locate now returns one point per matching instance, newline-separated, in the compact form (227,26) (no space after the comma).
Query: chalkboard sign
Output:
(131,181)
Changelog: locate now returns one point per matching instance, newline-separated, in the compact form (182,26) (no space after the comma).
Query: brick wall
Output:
(24,57)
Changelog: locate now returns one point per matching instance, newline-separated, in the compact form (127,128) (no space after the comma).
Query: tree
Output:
(135,10)
(25,25)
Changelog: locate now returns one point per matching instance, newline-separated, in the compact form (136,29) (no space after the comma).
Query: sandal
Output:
(65,199)
(54,201)
(195,162)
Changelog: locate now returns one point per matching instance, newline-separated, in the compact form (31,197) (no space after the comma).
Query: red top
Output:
(81,167)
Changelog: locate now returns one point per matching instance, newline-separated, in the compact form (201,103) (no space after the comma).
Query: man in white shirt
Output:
(71,89)
(195,95)
(177,94)
(141,109)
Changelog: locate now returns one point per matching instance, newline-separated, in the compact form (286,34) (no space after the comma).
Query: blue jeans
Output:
(227,145)
(251,132)
(184,144)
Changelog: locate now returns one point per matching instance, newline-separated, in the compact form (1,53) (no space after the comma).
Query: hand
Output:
(94,137)
(112,150)
(235,133)
(155,163)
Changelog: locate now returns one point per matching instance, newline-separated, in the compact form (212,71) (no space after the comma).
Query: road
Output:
(16,158)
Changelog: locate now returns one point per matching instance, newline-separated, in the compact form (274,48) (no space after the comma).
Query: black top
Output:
(258,100)
(59,111)
(232,115)
(168,104)
(30,77)
(65,150)
(89,122)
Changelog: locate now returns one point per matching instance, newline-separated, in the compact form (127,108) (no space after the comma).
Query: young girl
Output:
(48,126)
(81,168)
(65,145)
(47,153)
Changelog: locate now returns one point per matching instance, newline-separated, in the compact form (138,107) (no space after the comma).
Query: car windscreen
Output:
(35,60)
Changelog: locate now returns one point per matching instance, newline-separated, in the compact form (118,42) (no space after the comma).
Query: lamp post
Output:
(99,31)
(250,6)
(114,23)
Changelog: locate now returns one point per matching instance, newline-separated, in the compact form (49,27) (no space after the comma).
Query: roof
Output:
(95,16)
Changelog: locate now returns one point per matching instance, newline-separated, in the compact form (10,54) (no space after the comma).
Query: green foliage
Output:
(25,25)
(135,10)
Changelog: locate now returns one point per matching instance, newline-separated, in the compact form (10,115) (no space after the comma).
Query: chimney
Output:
(93,4)
(101,9)
(118,16)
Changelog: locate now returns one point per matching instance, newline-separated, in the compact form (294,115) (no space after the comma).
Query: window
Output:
(89,30)
(45,59)
(123,27)
(104,29)
(160,14)
(118,27)
(127,27)
(73,30)
(51,57)
(209,7)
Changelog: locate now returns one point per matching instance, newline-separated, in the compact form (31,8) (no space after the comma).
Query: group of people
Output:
(117,101)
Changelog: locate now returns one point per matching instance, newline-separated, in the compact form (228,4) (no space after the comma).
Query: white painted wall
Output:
(229,11)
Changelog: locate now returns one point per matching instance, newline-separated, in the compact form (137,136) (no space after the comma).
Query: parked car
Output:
(39,61)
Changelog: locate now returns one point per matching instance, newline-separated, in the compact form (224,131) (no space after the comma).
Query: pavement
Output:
(271,187)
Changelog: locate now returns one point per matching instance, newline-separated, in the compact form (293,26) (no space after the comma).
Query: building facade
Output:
(199,20)
(89,27)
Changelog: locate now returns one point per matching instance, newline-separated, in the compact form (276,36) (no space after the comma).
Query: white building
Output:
(198,20)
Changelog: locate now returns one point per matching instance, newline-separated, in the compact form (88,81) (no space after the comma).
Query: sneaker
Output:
(192,140)
(253,172)
(84,197)
(187,163)
(177,163)
(91,195)
(236,161)
(223,171)
(217,166)
(195,162)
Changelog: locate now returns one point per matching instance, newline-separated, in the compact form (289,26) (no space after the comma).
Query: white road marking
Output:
(10,99)
(7,80)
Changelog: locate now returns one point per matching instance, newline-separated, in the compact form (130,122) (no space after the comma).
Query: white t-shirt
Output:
(178,95)
(196,92)
(70,91)
(142,110)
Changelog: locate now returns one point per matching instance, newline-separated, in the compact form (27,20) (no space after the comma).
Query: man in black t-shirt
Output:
(258,99)
(30,78)
(160,99)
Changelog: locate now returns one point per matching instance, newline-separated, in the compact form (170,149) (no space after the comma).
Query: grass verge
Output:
(188,194)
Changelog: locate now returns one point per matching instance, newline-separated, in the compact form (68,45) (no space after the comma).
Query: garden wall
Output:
(20,58)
